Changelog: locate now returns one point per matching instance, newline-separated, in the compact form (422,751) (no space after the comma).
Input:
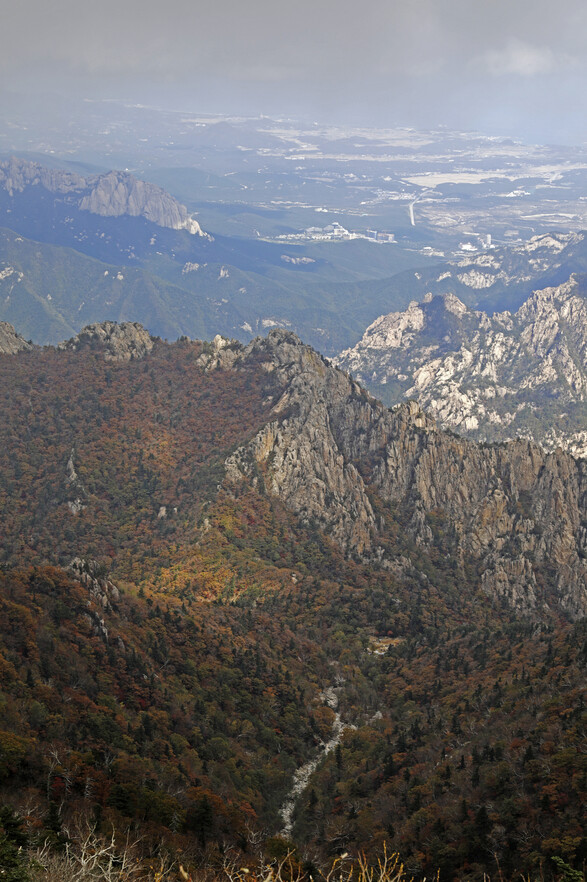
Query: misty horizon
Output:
(512,70)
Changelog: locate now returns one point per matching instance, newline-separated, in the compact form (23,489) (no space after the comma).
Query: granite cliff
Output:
(388,487)
(490,378)
(512,516)
(108,195)
(119,341)
(118,193)
(10,341)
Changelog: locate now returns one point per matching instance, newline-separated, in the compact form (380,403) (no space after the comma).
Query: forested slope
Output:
(197,543)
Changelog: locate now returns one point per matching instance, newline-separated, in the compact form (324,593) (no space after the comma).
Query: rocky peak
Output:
(109,195)
(11,341)
(118,193)
(551,243)
(17,174)
(453,304)
(299,449)
(511,516)
(488,377)
(118,341)
(515,263)
(220,354)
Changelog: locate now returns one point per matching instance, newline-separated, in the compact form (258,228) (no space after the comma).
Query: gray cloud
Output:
(418,57)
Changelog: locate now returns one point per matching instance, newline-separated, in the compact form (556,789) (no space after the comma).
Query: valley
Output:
(178,578)
(293,498)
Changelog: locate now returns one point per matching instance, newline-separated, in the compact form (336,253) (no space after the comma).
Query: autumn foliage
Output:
(168,683)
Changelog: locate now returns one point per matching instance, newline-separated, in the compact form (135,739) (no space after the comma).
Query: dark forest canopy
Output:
(171,679)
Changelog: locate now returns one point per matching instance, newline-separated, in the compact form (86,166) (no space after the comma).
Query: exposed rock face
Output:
(513,517)
(102,591)
(17,174)
(10,341)
(489,378)
(74,487)
(514,264)
(119,342)
(306,467)
(221,353)
(119,193)
(498,274)
(110,195)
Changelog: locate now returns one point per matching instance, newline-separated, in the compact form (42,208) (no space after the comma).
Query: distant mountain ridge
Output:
(489,378)
(199,285)
(496,269)
(109,195)
(78,249)
(64,223)
(49,292)
(498,277)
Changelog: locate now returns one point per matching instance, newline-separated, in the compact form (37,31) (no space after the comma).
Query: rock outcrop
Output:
(514,264)
(500,276)
(511,517)
(488,377)
(102,592)
(118,341)
(109,195)
(18,174)
(304,464)
(11,341)
(119,193)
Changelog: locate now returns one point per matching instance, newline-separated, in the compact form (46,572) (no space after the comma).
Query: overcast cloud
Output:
(498,65)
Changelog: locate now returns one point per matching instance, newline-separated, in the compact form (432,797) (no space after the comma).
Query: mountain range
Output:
(335,456)
(249,612)
(81,249)
(78,248)
(202,596)
(487,377)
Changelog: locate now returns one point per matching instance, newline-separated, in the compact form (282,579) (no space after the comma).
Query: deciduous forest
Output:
(167,639)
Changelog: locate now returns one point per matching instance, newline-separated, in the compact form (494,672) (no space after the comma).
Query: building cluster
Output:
(330,231)
(379,236)
(336,231)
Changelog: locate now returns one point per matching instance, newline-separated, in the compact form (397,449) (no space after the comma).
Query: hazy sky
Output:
(505,65)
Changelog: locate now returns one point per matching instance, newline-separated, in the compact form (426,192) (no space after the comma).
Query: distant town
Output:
(336,232)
